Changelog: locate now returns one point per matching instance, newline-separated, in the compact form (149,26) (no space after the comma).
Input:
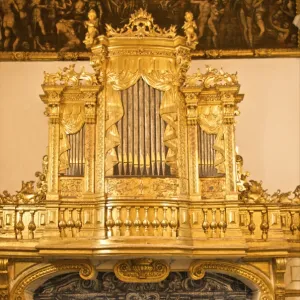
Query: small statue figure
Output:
(92,26)
(189,30)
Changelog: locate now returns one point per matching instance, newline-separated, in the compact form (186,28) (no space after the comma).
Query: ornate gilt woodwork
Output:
(142,270)
(145,225)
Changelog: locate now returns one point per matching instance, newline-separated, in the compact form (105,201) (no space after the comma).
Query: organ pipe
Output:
(142,151)
(76,153)
(206,154)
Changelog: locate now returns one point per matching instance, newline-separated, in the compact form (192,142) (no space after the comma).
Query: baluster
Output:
(70,223)
(173,222)
(109,222)
(78,223)
(137,222)
(20,226)
(213,224)
(164,222)
(127,222)
(251,225)
(293,226)
(31,225)
(222,224)
(62,223)
(146,222)
(155,222)
(118,221)
(264,226)
(205,224)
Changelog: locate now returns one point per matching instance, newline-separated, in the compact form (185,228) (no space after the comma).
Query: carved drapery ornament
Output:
(142,270)
(159,73)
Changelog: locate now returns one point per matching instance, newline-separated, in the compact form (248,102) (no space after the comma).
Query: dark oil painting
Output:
(60,25)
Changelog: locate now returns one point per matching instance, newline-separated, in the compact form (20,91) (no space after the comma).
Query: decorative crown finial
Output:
(141,25)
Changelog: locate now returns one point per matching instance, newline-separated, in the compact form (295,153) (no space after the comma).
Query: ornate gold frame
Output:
(201,54)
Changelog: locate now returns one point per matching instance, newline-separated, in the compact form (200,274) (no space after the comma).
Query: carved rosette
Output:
(142,270)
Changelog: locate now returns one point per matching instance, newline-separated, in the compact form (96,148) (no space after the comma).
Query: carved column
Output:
(280,268)
(191,99)
(232,208)
(52,99)
(90,98)
(99,64)
(229,107)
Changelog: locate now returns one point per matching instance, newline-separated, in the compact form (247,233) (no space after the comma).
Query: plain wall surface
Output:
(267,134)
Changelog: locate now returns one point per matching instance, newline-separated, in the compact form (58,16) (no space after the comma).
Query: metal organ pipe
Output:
(142,151)
(206,154)
(76,153)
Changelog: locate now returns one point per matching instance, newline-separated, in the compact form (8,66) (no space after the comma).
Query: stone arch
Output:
(251,276)
(25,285)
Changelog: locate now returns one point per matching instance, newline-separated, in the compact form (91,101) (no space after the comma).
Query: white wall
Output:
(268,129)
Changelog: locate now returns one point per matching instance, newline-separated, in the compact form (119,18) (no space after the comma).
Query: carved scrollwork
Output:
(29,194)
(85,269)
(141,25)
(142,270)
(198,268)
(212,77)
(68,76)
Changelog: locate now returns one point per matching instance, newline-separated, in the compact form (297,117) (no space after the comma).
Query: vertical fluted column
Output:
(191,99)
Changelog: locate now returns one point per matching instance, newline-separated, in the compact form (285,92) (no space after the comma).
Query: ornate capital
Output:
(142,270)
(191,100)
(90,98)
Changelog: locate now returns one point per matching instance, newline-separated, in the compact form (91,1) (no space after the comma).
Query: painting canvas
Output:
(60,26)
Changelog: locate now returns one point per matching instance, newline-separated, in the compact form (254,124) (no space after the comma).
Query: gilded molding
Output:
(198,268)
(142,270)
(198,54)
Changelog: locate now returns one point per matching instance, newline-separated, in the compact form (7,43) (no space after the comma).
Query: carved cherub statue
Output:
(92,25)
(189,30)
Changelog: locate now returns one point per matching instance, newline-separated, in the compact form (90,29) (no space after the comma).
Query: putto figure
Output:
(189,30)
(92,26)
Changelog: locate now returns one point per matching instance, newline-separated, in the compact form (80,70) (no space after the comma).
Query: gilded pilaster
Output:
(280,268)
(4,287)
(191,99)
(90,99)
(228,102)
(99,64)
(52,99)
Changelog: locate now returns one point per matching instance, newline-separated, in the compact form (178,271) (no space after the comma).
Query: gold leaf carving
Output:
(213,188)
(70,187)
(154,187)
(141,25)
(142,270)
(198,268)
